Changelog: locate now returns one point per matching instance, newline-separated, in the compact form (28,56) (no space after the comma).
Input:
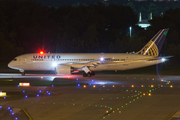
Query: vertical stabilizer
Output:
(154,46)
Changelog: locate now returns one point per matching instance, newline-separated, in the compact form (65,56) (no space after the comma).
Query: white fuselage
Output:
(116,61)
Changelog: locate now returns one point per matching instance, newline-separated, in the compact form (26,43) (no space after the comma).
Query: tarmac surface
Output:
(101,97)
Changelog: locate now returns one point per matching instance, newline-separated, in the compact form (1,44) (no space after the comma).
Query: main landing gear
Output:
(22,72)
(89,74)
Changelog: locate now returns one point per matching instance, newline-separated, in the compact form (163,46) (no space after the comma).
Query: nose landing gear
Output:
(22,72)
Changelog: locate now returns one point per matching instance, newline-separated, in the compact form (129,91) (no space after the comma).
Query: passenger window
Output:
(15,59)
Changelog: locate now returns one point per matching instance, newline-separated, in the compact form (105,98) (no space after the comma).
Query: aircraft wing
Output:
(90,62)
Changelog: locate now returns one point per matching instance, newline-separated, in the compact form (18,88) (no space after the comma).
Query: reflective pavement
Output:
(73,97)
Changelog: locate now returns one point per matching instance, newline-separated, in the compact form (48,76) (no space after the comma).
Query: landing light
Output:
(54,64)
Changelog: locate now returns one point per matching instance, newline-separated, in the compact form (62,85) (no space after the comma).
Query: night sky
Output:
(57,3)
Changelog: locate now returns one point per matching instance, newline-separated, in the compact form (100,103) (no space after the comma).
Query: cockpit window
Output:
(15,59)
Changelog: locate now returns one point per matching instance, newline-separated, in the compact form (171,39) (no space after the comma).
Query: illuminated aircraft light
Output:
(77,79)
(113,111)
(41,52)
(9,108)
(168,83)
(171,86)
(54,64)
(40,91)
(2,94)
(12,113)
(41,77)
(119,111)
(102,59)
(113,86)
(78,85)
(103,85)
(84,86)
(142,85)
(161,85)
(92,80)
(37,95)
(162,80)
(4,97)
(144,93)
(152,85)
(17,85)
(153,79)
(52,85)
(26,96)
(138,94)
(24,84)
(16,118)
(94,86)
(0,106)
(23,91)
(132,85)
(149,94)
(49,93)
(163,59)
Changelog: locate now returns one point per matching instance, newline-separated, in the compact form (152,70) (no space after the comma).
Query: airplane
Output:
(66,63)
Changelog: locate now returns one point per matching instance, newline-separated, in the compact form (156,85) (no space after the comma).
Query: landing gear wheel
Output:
(84,75)
(89,74)
(23,73)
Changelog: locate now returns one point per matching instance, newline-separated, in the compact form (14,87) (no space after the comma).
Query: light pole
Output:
(130,30)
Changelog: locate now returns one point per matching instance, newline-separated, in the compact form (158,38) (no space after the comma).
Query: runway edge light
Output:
(2,94)
(24,84)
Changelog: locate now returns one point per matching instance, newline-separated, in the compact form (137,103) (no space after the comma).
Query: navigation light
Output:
(163,59)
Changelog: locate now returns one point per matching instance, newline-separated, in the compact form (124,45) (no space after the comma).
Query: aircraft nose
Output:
(10,64)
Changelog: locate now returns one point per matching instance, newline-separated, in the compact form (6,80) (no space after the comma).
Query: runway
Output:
(106,97)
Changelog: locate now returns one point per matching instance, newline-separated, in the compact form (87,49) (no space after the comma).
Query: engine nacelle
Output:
(63,69)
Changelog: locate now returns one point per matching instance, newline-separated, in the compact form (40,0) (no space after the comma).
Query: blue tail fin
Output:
(154,46)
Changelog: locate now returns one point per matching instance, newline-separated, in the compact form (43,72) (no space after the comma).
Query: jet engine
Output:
(63,69)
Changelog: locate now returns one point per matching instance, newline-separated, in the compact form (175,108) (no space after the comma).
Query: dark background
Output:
(92,26)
